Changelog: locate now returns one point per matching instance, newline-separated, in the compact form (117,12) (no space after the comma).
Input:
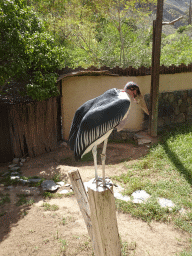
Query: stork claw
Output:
(99,182)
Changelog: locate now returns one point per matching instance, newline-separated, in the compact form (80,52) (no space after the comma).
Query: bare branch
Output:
(172,22)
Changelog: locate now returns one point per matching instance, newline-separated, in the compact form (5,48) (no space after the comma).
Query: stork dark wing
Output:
(105,114)
(79,114)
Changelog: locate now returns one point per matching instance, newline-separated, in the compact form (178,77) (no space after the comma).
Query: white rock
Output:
(23,160)
(14,177)
(121,197)
(60,183)
(64,191)
(24,182)
(143,141)
(166,203)
(67,185)
(140,196)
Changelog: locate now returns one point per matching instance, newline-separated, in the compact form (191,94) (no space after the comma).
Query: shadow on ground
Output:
(47,165)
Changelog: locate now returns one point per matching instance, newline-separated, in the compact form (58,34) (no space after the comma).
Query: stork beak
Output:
(141,102)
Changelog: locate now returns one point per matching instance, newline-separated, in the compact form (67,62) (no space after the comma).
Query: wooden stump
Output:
(99,213)
(104,221)
(82,198)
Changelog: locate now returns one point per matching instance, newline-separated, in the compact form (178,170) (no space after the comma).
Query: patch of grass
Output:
(24,178)
(4,198)
(37,184)
(63,245)
(126,248)
(166,171)
(67,219)
(69,194)
(85,246)
(50,207)
(57,178)
(52,195)
(23,213)
(186,252)
(23,200)
(6,181)
(149,211)
(184,222)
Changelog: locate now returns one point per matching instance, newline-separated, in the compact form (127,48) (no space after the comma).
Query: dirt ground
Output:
(31,230)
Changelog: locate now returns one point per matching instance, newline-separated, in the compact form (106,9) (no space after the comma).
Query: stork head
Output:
(133,90)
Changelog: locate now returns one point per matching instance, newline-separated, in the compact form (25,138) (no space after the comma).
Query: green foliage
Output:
(76,33)
(176,49)
(27,51)
(181,29)
(99,32)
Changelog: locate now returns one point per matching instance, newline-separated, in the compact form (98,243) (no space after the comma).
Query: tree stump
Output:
(104,221)
(99,213)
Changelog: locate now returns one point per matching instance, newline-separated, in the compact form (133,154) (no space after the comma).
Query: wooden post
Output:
(82,198)
(99,214)
(104,221)
(190,13)
(157,30)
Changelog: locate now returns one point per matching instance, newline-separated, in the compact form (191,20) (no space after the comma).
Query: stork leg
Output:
(94,151)
(103,157)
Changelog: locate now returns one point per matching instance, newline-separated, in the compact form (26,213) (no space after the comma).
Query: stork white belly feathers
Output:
(95,120)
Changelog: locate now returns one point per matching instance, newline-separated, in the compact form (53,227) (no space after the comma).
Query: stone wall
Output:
(174,107)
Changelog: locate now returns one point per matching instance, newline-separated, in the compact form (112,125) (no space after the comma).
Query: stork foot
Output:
(98,180)
(100,183)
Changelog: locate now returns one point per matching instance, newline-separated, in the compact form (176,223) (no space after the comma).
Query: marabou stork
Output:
(95,120)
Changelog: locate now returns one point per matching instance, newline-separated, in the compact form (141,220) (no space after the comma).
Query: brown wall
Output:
(78,89)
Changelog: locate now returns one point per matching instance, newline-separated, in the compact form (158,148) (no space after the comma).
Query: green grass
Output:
(4,198)
(23,200)
(50,207)
(57,178)
(126,248)
(52,195)
(166,171)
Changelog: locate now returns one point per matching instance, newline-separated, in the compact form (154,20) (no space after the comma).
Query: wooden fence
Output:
(30,129)
(33,127)
(130,71)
